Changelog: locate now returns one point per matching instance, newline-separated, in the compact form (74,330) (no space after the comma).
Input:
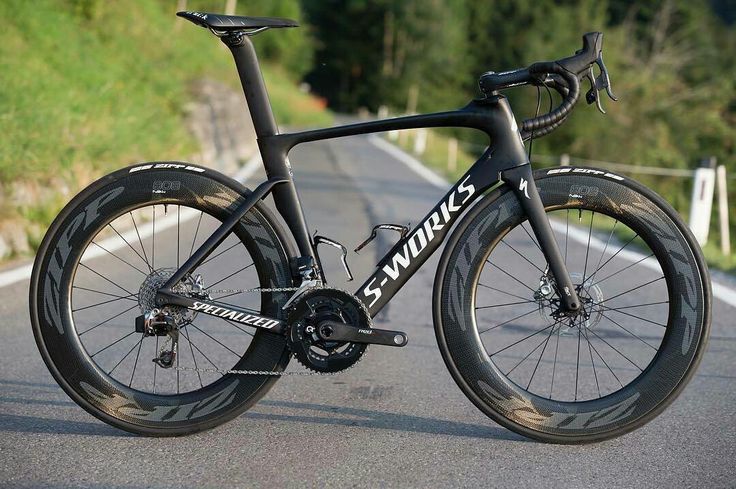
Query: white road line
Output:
(23,272)
(720,291)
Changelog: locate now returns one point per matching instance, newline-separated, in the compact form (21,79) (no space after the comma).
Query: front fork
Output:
(521,181)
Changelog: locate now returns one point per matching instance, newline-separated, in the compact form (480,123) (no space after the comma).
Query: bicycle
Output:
(608,355)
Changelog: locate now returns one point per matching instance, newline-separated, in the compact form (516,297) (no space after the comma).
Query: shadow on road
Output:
(30,424)
(365,418)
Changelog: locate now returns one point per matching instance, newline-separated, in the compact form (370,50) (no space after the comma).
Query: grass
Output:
(87,86)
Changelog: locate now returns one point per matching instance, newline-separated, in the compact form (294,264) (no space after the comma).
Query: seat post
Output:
(251,78)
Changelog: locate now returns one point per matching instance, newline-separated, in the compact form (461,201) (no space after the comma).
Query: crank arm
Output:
(336,331)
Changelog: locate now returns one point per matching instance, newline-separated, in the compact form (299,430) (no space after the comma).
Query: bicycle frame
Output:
(505,160)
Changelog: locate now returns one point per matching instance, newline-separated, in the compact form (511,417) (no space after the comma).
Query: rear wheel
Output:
(645,319)
(99,267)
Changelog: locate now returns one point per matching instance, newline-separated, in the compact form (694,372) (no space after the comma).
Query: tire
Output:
(489,364)
(173,190)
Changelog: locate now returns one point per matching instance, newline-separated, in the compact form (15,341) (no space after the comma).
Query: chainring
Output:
(310,309)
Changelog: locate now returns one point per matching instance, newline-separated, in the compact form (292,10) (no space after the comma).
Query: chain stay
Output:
(258,372)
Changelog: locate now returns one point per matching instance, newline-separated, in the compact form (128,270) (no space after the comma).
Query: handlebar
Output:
(563,76)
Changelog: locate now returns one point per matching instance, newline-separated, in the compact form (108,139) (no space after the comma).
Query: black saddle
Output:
(229,23)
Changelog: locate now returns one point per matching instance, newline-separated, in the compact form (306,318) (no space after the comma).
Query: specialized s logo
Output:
(523,186)
(418,241)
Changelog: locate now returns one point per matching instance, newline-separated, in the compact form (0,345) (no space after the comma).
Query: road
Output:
(396,420)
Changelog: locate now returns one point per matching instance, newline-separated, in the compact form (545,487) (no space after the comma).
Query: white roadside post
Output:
(701,202)
(723,210)
(420,142)
(452,155)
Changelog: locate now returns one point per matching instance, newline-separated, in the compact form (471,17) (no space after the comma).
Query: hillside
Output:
(88,86)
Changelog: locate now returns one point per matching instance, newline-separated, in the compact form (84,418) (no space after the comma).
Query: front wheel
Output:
(642,331)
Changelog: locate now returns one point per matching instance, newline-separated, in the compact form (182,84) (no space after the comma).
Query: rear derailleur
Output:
(158,323)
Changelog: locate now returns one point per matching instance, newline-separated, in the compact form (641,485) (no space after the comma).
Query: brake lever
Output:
(602,81)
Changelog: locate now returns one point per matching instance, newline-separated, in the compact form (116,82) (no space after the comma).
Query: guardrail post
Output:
(701,202)
(420,142)
(452,155)
(564,159)
(723,210)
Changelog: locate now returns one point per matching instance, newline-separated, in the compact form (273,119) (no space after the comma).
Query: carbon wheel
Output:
(646,309)
(99,267)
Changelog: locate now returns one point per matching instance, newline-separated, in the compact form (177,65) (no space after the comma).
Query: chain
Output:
(256,372)
(259,372)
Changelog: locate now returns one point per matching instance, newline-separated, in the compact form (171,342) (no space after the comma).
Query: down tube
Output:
(410,253)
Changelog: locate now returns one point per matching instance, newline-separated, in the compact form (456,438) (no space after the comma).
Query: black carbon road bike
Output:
(570,304)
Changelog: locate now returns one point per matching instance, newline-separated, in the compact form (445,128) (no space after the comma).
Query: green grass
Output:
(87,86)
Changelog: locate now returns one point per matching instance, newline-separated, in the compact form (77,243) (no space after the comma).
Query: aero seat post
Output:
(285,195)
(251,78)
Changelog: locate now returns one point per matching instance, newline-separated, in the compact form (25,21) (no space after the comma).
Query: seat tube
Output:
(285,196)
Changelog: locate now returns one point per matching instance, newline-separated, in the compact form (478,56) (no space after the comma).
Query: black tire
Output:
(548,413)
(140,410)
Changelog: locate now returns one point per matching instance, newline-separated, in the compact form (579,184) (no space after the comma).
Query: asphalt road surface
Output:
(396,420)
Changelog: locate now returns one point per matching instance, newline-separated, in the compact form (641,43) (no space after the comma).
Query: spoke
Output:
(533,240)
(603,253)
(502,291)
(595,374)
(625,268)
(135,365)
(126,242)
(178,223)
(108,319)
(216,341)
(177,358)
(130,298)
(141,242)
(221,253)
(634,316)
(155,367)
(635,288)
(540,358)
(232,274)
(509,275)
(567,232)
(126,355)
(632,334)
(529,354)
(196,231)
(630,307)
(499,305)
(616,350)
(587,252)
(205,356)
(577,363)
(116,256)
(113,343)
(525,258)
(241,329)
(107,279)
(604,361)
(617,252)
(523,339)
(554,365)
(98,292)
(194,359)
(507,322)
(153,238)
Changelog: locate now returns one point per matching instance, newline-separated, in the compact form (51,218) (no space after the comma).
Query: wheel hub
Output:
(591,298)
(150,287)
